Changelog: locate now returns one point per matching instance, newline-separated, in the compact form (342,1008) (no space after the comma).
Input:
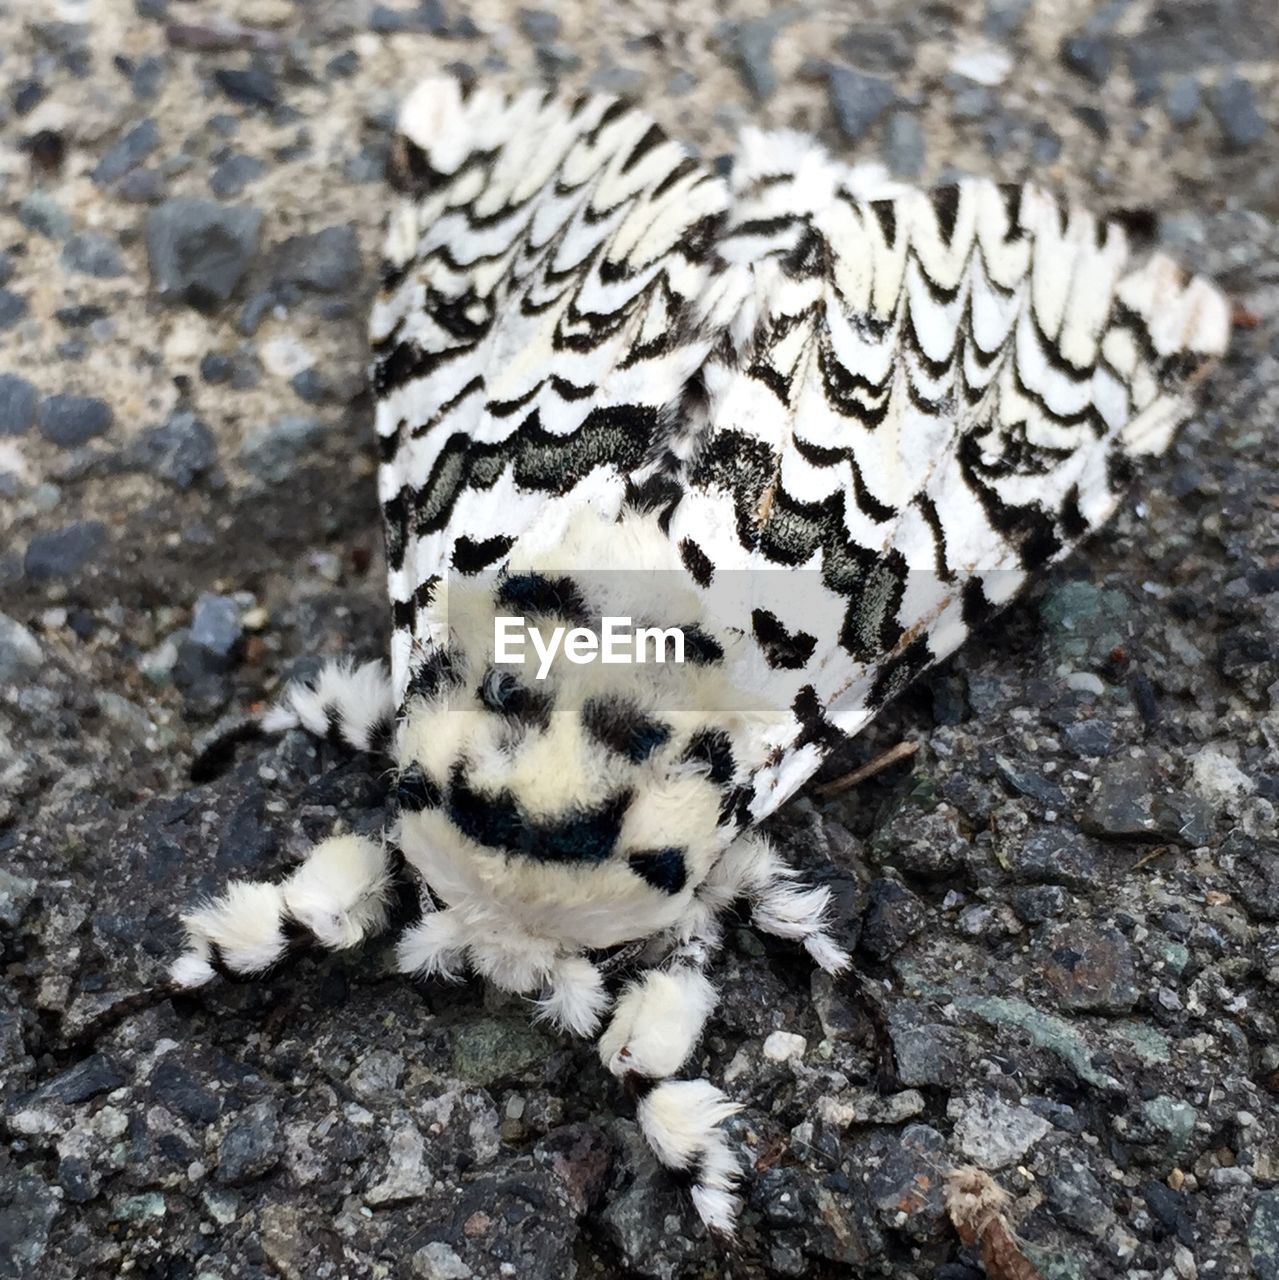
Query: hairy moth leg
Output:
(780,903)
(572,992)
(341,894)
(657,1021)
(343,703)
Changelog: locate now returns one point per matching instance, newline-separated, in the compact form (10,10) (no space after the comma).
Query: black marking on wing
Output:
(471,557)
(787,650)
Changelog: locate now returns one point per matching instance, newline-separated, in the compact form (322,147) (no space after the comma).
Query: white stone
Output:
(783,1045)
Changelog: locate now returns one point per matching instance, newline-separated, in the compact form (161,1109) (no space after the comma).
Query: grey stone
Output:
(1052,856)
(273,451)
(17,893)
(1044,902)
(250,86)
(1254,870)
(13,307)
(94,1075)
(894,916)
(70,421)
(539,25)
(901,1186)
(20,653)
(1089,739)
(180,450)
(1233,103)
(142,186)
(878,48)
(858,100)
(199,251)
(235,173)
(488,1050)
(439,1261)
(215,625)
(25,1222)
(1130,802)
(1182,101)
(377,1076)
(62,553)
(251,1146)
(1172,1120)
(327,261)
(42,214)
(1263,1236)
(904,145)
(1090,968)
(752,47)
(405,1177)
(175,1088)
(1089,55)
(1078,1198)
(93,253)
(993,1134)
(17,405)
(128,153)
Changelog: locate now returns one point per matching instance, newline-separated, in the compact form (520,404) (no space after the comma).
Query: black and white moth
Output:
(610,381)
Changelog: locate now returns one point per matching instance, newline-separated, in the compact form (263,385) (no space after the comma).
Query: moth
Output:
(821,424)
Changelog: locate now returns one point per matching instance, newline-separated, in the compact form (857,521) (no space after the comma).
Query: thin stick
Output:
(978,1209)
(902,751)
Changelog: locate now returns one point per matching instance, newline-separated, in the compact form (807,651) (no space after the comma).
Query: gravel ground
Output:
(1066,905)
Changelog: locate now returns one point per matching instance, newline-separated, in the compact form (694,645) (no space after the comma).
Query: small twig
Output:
(978,1207)
(1147,858)
(902,751)
(220,36)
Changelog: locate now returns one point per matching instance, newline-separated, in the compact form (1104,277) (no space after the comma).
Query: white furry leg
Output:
(779,904)
(658,1020)
(344,703)
(681,1121)
(337,897)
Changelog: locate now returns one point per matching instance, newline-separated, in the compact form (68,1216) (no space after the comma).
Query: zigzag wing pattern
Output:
(940,392)
(533,324)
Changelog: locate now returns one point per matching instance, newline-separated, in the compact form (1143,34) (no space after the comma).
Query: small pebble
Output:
(1234,107)
(12,308)
(20,653)
(70,421)
(780,1046)
(128,153)
(199,251)
(234,174)
(858,100)
(252,86)
(18,400)
(93,253)
(62,553)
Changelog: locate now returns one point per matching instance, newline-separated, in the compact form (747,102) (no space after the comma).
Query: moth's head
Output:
(590,795)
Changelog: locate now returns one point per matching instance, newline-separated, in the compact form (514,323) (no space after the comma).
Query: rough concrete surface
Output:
(1066,905)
